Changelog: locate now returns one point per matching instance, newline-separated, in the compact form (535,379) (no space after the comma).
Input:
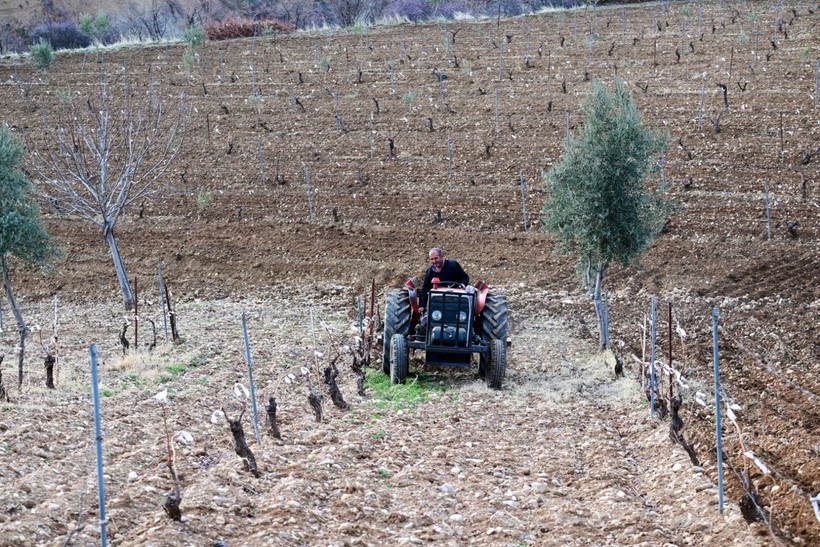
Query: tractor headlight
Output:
(436,315)
(462,316)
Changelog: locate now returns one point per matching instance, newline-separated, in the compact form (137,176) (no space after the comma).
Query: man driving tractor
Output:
(447,271)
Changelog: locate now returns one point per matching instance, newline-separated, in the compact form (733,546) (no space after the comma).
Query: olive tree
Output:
(103,157)
(601,203)
(22,236)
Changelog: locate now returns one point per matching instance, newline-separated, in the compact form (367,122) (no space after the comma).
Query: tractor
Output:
(460,321)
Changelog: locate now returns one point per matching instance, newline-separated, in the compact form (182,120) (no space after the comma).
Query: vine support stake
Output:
(98,436)
(162,299)
(497,126)
(768,208)
(717,408)
(523,199)
(309,193)
(652,384)
(450,162)
(567,129)
(250,376)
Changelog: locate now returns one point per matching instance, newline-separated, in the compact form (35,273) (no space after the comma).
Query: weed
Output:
(201,381)
(376,435)
(176,370)
(385,473)
(65,95)
(409,395)
(106,392)
(203,199)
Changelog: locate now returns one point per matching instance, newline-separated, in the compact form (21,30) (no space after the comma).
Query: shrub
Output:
(61,35)
(41,55)
(240,27)
(413,10)
(195,36)
(98,27)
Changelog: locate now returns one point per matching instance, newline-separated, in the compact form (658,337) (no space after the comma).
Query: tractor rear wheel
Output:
(397,315)
(399,359)
(497,366)
(495,317)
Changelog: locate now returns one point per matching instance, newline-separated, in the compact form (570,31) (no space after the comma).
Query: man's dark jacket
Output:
(451,272)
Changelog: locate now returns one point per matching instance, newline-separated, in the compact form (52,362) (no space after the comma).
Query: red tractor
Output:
(460,322)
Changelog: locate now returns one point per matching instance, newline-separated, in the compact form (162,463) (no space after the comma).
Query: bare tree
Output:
(347,12)
(102,157)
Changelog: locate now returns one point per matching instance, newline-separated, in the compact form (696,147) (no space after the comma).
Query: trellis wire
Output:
(95,390)
(768,208)
(162,300)
(309,192)
(652,384)
(523,199)
(718,430)
(250,376)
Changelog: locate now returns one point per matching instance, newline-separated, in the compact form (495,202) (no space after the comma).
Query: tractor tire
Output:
(399,359)
(497,365)
(397,315)
(495,317)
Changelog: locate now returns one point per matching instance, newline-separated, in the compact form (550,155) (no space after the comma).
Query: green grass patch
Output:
(104,392)
(178,368)
(415,391)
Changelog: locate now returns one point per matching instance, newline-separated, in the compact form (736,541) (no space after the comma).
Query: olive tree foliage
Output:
(102,157)
(22,236)
(600,202)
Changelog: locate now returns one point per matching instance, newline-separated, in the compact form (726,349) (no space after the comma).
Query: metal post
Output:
(162,299)
(523,200)
(768,209)
(450,162)
(567,130)
(718,427)
(309,192)
(372,133)
(652,362)
(250,376)
(497,126)
(817,85)
(359,313)
(98,436)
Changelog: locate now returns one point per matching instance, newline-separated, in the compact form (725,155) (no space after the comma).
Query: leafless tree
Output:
(101,157)
(347,12)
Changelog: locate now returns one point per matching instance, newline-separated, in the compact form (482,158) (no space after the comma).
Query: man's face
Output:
(436,260)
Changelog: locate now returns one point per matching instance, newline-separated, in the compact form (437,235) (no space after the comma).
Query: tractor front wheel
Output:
(397,315)
(497,366)
(399,359)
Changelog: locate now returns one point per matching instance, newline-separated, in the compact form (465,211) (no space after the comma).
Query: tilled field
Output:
(375,217)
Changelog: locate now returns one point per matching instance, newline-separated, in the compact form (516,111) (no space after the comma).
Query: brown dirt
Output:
(254,245)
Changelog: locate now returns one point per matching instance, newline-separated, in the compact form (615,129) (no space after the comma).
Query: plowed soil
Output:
(566,453)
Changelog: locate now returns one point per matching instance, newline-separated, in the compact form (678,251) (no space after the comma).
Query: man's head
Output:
(436,257)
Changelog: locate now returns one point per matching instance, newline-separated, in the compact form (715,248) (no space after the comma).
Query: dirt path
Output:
(565,454)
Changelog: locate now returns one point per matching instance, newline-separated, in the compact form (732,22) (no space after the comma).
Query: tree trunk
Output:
(600,311)
(21,324)
(122,277)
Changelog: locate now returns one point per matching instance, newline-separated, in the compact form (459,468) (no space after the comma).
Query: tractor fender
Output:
(481,298)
